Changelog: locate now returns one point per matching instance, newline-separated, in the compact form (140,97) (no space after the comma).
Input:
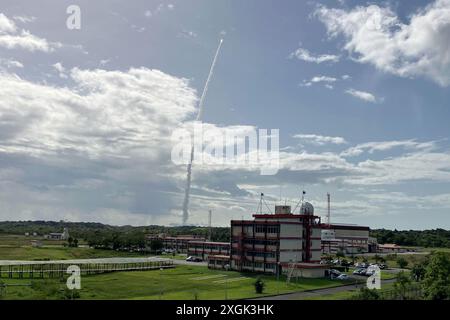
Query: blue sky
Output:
(358,90)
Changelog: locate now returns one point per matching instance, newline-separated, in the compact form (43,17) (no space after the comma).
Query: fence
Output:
(413,292)
(53,270)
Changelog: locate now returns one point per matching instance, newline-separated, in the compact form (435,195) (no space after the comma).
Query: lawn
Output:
(58,253)
(22,240)
(182,282)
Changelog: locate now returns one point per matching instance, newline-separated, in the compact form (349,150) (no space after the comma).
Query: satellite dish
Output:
(307,208)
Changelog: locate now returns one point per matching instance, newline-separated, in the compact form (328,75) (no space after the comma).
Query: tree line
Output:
(426,238)
(103,233)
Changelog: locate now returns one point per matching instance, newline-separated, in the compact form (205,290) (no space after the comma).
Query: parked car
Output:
(342,276)
(382,266)
(193,259)
(360,271)
(335,272)
(371,270)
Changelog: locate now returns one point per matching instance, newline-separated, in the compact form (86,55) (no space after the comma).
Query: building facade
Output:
(349,239)
(176,243)
(204,249)
(275,243)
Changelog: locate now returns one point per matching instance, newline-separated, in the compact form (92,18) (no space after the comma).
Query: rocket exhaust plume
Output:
(199,117)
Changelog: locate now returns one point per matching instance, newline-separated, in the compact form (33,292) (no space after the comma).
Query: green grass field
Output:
(182,282)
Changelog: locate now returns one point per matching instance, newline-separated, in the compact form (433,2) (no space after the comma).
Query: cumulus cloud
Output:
(11,38)
(108,136)
(305,55)
(376,35)
(366,96)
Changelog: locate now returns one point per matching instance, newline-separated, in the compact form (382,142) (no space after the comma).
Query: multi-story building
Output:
(349,239)
(204,249)
(177,243)
(278,243)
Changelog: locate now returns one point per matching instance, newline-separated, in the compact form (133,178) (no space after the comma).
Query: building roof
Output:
(283,216)
(307,265)
(344,227)
(211,242)
(219,257)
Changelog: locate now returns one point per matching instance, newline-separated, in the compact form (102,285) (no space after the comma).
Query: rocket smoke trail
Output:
(199,116)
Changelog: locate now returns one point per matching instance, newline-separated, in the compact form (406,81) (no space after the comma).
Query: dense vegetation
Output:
(101,233)
(428,279)
(425,238)
(106,236)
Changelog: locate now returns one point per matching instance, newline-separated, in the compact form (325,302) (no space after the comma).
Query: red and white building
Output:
(278,243)
(177,243)
(204,249)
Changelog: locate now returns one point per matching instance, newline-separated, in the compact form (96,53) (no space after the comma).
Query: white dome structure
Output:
(307,208)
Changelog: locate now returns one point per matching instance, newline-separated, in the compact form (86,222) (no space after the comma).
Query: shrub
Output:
(259,285)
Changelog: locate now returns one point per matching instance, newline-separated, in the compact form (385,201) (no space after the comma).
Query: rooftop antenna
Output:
(301,201)
(199,117)
(260,205)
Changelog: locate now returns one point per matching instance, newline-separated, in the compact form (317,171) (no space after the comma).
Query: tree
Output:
(75,242)
(366,294)
(377,258)
(418,272)
(259,285)
(340,254)
(402,262)
(436,281)
(70,240)
(156,245)
(402,285)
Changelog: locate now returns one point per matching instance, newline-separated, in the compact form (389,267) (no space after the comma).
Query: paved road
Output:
(319,292)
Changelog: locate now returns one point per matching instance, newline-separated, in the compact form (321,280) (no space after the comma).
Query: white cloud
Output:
(319,139)
(323,79)
(319,79)
(61,70)
(376,35)
(12,38)
(6,25)
(366,96)
(305,55)
(101,146)
(372,147)
(10,63)
(24,19)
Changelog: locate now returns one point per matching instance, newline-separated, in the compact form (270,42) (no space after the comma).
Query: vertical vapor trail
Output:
(199,116)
